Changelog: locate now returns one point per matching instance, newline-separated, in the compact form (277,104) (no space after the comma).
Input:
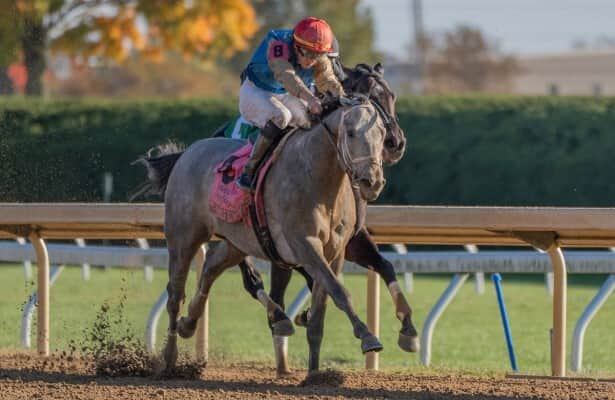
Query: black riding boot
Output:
(268,134)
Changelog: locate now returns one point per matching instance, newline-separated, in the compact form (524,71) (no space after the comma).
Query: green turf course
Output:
(469,336)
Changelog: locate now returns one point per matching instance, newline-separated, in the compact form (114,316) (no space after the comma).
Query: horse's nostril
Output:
(390,143)
(366,182)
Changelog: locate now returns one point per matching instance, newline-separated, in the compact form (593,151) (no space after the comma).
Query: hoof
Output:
(302,318)
(186,327)
(283,328)
(408,343)
(370,343)
(286,373)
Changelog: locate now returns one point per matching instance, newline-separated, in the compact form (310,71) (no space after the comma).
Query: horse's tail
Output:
(159,162)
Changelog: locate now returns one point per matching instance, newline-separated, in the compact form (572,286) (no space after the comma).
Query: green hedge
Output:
(461,150)
(506,151)
(59,151)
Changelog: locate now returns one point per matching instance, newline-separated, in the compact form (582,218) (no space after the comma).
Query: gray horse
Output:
(361,249)
(310,207)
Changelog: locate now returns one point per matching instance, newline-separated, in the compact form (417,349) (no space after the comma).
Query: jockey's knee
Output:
(282,118)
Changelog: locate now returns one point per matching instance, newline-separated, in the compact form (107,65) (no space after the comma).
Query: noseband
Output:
(347,162)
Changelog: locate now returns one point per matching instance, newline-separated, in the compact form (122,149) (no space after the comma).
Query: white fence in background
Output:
(458,262)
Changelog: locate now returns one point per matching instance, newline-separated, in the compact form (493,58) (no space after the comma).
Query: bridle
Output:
(347,162)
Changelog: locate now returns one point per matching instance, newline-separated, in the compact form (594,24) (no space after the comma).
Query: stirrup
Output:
(245,182)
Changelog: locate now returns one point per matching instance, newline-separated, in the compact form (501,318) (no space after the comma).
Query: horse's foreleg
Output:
(316,325)
(221,257)
(280,277)
(302,318)
(310,252)
(362,250)
(279,323)
(252,280)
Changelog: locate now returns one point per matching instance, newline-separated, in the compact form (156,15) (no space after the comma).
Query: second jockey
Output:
(277,87)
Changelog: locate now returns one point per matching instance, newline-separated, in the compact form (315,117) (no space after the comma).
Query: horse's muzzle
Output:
(371,184)
(394,148)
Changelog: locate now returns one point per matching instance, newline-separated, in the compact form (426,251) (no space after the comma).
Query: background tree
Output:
(9,39)
(464,60)
(138,78)
(112,29)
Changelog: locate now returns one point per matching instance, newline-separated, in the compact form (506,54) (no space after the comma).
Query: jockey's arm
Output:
(284,73)
(325,79)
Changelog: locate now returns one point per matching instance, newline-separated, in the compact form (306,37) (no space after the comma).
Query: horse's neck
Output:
(315,149)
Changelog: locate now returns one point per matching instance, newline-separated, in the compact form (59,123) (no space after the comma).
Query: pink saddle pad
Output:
(226,200)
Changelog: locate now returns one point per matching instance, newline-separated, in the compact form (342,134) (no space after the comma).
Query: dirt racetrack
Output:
(25,376)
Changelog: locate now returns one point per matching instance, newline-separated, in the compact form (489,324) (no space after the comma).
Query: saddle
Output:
(233,205)
(226,200)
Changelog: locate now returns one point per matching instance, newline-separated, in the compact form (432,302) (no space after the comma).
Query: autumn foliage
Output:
(115,29)
(199,28)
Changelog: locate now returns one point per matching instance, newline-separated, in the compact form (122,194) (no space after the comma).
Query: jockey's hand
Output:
(314,106)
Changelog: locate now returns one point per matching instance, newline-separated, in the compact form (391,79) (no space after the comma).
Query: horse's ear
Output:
(379,69)
(364,68)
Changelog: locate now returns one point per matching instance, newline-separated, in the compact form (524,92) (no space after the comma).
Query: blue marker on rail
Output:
(497,279)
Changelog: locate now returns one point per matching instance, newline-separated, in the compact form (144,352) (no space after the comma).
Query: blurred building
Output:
(403,77)
(584,73)
(579,73)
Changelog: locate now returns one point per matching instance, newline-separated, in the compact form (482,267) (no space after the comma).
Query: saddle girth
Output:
(258,217)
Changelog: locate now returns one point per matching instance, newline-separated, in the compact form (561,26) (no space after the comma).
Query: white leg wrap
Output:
(280,345)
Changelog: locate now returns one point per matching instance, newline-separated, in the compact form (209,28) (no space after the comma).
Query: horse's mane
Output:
(361,71)
(330,104)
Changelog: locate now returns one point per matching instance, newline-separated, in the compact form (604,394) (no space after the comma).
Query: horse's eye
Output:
(351,133)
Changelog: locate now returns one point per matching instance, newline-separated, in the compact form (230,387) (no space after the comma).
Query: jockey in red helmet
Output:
(278,84)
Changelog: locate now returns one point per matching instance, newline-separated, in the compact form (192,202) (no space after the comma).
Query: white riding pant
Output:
(259,106)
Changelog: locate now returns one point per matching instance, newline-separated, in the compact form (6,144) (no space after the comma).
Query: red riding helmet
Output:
(313,34)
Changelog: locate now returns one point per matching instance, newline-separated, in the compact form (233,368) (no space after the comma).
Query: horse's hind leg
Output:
(221,257)
(363,251)
(180,256)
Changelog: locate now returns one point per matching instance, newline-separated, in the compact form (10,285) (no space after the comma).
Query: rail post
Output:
(558,348)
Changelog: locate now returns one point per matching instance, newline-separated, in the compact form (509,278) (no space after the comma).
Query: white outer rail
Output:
(576,353)
(435,313)
(28,310)
(424,262)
